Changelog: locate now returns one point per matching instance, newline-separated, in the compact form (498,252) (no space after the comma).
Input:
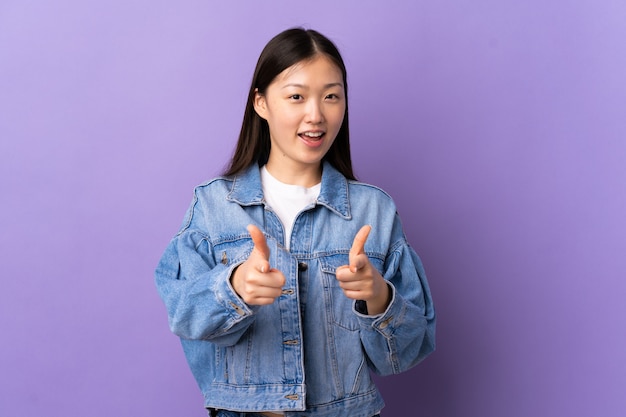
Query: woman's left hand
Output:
(360,280)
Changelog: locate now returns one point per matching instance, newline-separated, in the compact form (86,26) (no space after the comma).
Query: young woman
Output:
(289,280)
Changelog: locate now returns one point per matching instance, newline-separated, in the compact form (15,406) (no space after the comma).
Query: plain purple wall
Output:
(498,126)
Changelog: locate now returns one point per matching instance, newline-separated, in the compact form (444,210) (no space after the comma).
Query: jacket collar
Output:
(247,190)
(334,192)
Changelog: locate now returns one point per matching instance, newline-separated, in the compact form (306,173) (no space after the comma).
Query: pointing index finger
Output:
(358,245)
(259,241)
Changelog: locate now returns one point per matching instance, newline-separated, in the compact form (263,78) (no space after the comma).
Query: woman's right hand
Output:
(255,281)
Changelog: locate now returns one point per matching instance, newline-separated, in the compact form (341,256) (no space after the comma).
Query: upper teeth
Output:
(313,134)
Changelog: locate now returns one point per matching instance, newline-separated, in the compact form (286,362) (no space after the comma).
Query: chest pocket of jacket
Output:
(233,251)
(339,308)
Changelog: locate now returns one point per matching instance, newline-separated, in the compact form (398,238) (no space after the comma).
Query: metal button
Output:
(385,323)
(238,309)
(302,266)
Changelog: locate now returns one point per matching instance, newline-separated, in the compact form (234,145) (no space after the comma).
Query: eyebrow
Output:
(327,86)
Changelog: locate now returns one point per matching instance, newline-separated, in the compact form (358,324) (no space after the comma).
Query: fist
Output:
(255,281)
(360,280)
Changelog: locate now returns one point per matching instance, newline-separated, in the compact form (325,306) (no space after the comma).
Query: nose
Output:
(314,113)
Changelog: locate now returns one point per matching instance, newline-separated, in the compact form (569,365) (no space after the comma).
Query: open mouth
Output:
(312,136)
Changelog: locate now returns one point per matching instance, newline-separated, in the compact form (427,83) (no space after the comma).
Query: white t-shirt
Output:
(287,200)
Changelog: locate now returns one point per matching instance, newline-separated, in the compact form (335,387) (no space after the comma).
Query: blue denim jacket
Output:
(310,352)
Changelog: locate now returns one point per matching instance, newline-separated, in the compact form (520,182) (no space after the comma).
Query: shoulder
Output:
(217,182)
(210,201)
(214,185)
(371,204)
(211,193)
(372,192)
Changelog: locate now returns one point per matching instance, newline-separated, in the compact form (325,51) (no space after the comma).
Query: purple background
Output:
(498,126)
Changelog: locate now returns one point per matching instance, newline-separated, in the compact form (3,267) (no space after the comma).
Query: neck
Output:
(305,176)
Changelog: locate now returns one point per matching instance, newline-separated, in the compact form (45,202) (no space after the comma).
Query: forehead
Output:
(320,69)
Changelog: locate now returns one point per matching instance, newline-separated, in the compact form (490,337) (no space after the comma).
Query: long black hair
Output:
(281,52)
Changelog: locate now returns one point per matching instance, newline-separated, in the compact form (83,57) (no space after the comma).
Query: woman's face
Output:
(304,107)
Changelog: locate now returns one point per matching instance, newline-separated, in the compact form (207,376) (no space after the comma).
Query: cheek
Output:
(337,119)
(283,117)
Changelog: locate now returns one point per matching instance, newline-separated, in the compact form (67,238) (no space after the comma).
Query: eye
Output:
(296,97)
(332,96)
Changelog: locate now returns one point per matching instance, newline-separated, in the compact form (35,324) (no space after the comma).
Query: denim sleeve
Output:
(404,334)
(200,301)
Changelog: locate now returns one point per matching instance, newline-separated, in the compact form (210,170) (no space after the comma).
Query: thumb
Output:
(260,245)
(358,248)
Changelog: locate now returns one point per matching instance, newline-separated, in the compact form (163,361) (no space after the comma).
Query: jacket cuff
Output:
(384,322)
(236,308)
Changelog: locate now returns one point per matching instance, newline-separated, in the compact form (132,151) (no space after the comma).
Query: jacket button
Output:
(302,266)
(292,397)
(385,323)
(238,309)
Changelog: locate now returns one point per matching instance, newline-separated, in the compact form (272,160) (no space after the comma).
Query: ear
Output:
(260,104)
